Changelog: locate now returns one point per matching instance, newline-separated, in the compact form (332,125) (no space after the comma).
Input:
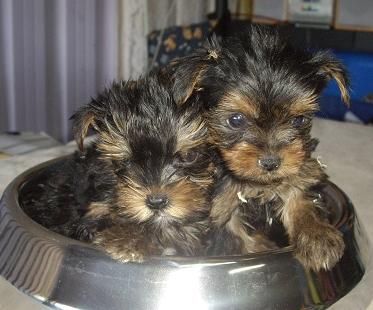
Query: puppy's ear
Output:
(83,119)
(331,68)
(189,72)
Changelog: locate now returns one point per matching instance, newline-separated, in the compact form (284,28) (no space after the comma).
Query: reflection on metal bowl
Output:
(62,273)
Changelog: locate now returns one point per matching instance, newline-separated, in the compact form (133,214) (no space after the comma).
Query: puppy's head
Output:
(157,149)
(262,94)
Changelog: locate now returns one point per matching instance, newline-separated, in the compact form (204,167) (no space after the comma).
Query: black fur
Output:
(146,145)
(261,93)
(59,199)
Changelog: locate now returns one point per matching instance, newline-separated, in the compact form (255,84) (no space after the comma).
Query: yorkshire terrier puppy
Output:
(143,187)
(157,155)
(262,93)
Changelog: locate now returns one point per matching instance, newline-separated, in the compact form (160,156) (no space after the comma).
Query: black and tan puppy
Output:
(142,188)
(262,94)
(158,154)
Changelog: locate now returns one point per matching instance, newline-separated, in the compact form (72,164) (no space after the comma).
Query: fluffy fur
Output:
(261,94)
(154,158)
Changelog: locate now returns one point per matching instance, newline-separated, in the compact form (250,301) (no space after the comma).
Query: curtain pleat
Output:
(57,54)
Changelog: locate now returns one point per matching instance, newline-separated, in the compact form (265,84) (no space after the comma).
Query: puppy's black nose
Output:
(157,201)
(270,162)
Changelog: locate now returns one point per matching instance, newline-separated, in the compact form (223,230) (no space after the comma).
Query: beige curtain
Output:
(138,18)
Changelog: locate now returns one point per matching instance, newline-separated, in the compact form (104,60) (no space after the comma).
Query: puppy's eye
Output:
(187,158)
(298,121)
(190,157)
(237,121)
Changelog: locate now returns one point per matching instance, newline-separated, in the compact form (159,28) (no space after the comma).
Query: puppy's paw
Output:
(84,233)
(127,255)
(119,250)
(319,247)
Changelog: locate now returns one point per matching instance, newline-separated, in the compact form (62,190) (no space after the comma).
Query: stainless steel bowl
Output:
(62,273)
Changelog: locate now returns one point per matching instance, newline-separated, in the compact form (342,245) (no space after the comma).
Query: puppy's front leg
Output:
(231,232)
(96,218)
(318,245)
(126,243)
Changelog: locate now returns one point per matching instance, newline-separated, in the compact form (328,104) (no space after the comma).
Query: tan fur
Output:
(88,120)
(336,74)
(235,102)
(185,199)
(112,145)
(191,135)
(292,158)
(97,209)
(133,240)
(193,85)
(242,159)
(317,244)
(126,242)
(307,103)
(111,142)
(131,201)
(224,203)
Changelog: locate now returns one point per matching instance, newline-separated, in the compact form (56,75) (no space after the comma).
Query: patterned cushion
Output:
(177,41)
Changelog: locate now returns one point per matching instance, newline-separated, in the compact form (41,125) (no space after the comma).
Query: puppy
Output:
(262,93)
(157,155)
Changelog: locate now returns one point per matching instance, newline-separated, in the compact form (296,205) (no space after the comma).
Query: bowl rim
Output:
(10,198)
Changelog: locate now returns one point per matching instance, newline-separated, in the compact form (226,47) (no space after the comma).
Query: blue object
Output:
(333,108)
(360,67)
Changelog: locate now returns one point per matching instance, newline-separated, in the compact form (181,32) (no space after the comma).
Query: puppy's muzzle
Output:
(269,163)
(157,201)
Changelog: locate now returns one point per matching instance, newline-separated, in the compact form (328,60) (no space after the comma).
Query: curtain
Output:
(57,54)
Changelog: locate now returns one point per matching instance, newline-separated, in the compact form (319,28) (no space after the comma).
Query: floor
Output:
(346,149)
